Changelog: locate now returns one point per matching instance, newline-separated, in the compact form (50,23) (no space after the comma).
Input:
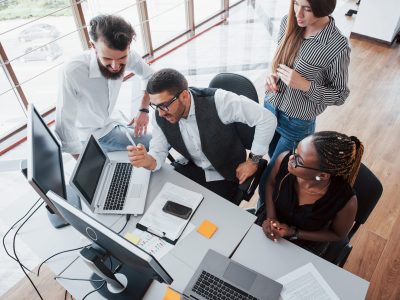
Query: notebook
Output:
(163,224)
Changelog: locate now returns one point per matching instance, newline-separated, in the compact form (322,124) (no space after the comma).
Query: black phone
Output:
(177,209)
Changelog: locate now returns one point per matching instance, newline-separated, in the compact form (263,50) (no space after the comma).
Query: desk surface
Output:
(182,261)
(236,235)
(274,260)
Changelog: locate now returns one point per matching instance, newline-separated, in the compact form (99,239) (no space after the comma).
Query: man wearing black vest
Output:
(198,123)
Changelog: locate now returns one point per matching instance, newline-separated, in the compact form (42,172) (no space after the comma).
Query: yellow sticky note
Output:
(170,294)
(207,229)
(134,239)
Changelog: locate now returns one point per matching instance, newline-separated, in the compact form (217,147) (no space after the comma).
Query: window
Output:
(167,20)
(36,46)
(39,35)
(12,114)
(204,9)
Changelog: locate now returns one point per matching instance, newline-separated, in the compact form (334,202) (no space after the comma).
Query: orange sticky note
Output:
(207,229)
(170,294)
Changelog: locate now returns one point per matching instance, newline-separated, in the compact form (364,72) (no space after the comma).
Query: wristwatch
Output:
(295,235)
(255,158)
(145,110)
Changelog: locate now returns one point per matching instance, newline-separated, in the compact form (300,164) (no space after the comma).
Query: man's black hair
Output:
(113,30)
(167,80)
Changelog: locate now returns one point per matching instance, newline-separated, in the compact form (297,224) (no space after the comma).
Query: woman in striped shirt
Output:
(309,73)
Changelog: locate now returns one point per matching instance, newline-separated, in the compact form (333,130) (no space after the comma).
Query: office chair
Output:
(368,190)
(240,85)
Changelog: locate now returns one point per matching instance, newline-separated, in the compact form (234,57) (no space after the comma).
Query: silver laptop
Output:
(109,187)
(218,277)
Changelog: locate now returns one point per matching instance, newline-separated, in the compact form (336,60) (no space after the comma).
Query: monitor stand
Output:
(73,199)
(71,196)
(136,281)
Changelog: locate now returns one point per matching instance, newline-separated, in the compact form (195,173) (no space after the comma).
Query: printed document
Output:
(152,244)
(306,283)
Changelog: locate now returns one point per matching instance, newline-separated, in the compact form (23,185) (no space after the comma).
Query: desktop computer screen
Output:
(139,268)
(45,165)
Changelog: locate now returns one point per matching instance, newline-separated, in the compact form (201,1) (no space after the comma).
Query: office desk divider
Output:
(162,224)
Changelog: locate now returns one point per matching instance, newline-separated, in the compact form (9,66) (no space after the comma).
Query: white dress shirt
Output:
(230,108)
(86,99)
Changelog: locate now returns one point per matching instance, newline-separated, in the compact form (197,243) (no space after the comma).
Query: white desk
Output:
(181,262)
(274,260)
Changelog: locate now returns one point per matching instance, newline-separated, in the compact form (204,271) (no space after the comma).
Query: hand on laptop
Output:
(139,157)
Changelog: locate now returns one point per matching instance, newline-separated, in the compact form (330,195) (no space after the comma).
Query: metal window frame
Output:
(145,26)
(80,22)
(12,77)
(189,13)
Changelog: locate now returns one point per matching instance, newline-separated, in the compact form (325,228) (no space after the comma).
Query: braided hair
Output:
(339,154)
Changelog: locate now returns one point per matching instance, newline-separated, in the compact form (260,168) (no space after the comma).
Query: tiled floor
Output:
(244,45)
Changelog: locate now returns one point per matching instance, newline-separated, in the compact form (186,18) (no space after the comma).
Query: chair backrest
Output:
(368,190)
(240,85)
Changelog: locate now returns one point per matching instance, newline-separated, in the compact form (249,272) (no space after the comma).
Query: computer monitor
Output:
(45,170)
(138,269)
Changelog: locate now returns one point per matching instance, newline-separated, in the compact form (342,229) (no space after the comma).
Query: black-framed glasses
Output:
(298,164)
(164,106)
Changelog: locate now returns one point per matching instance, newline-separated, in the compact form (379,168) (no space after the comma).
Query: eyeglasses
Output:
(297,163)
(164,106)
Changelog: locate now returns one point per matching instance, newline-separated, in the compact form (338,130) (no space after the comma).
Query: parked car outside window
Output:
(38,31)
(48,52)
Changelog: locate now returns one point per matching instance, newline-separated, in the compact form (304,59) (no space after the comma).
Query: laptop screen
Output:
(88,173)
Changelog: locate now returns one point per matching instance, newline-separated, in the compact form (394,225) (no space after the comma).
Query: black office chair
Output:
(240,85)
(368,190)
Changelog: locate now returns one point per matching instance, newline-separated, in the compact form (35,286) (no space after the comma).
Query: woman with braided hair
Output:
(309,197)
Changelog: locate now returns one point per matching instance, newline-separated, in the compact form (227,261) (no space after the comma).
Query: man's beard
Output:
(108,74)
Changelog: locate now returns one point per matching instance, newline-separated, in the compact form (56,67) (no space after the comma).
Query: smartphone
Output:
(177,210)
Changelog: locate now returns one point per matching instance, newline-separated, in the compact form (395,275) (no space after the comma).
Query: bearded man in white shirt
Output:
(89,88)
(199,124)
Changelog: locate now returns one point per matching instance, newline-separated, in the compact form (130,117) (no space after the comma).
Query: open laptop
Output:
(109,187)
(218,277)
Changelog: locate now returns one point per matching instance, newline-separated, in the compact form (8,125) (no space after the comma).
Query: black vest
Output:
(220,143)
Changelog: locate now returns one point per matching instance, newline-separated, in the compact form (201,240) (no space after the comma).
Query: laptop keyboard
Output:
(211,287)
(119,187)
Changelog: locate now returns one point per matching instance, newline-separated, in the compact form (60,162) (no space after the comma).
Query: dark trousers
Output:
(224,188)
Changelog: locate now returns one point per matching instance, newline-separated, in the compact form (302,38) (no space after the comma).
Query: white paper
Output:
(306,283)
(163,224)
(152,244)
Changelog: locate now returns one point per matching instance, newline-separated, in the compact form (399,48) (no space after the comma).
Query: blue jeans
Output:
(289,132)
(116,139)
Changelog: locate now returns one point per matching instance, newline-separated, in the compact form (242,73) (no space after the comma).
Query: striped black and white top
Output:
(323,59)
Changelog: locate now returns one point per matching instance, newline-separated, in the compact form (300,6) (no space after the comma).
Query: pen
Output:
(128,136)
(156,232)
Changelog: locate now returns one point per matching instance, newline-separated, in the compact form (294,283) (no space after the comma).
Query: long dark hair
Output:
(291,41)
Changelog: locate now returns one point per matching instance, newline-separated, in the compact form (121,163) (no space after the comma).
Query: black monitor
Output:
(45,170)
(137,267)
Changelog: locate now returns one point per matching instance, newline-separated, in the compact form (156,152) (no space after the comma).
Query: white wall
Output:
(378,19)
